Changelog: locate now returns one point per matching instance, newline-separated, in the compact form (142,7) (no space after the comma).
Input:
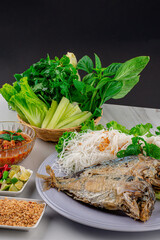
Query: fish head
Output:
(149,169)
(155,180)
(137,198)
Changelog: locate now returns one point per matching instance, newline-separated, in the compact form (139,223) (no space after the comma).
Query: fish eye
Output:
(158,175)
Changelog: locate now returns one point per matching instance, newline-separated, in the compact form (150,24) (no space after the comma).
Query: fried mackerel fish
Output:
(121,184)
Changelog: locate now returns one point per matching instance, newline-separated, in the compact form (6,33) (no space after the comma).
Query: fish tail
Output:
(49,181)
(50,171)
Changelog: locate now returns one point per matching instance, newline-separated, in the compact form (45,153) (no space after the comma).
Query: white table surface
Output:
(54,226)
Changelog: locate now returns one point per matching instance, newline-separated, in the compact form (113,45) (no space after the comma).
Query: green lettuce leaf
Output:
(91,125)
(30,107)
(138,130)
(141,129)
(63,140)
(158,132)
(116,126)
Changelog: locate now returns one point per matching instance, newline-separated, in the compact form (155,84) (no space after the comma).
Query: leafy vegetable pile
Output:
(55,84)
(29,107)
(35,111)
(53,79)
(138,146)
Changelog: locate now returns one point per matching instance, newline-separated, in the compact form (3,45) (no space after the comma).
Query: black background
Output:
(116,30)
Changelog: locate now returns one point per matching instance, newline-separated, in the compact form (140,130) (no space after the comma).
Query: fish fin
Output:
(52,175)
(42,176)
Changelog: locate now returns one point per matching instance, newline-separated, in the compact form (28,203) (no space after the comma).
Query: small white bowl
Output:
(15,193)
(28,200)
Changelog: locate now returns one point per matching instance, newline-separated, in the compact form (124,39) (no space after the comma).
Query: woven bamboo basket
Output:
(53,135)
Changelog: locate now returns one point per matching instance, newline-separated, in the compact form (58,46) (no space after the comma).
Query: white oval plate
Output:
(93,217)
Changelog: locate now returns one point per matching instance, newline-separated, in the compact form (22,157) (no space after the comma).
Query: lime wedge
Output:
(12,173)
(4,186)
(27,173)
(16,168)
(19,185)
(13,188)
(24,177)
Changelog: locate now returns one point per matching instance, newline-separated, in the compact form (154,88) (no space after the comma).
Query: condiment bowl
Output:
(16,154)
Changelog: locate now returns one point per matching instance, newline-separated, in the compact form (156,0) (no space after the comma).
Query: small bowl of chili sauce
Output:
(16,142)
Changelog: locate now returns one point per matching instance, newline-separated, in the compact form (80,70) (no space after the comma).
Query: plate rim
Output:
(81,220)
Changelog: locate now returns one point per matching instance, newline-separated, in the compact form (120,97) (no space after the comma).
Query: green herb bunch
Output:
(101,84)
(53,79)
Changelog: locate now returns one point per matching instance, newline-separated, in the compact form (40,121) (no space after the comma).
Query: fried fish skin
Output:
(106,186)
(144,167)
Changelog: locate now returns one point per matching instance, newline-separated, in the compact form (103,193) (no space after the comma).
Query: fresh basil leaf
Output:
(18,138)
(111,69)
(89,78)
(86,64)
(88,88)
(109,90)
(5,136)
(97,62)
(127,87)
(79,85)
(131,68)
(11,133)
(102,82)
(19,130)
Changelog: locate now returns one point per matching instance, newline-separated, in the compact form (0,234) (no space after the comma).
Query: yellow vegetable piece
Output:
(13,188)
(27,173)
(24,177)
(19,184)
(16,168)
(12,173)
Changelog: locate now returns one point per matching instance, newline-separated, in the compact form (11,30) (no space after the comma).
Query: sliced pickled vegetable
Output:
(19,184)
(13,188)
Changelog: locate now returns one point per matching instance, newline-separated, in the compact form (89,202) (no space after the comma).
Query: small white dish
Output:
(15,193)
(28,200)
